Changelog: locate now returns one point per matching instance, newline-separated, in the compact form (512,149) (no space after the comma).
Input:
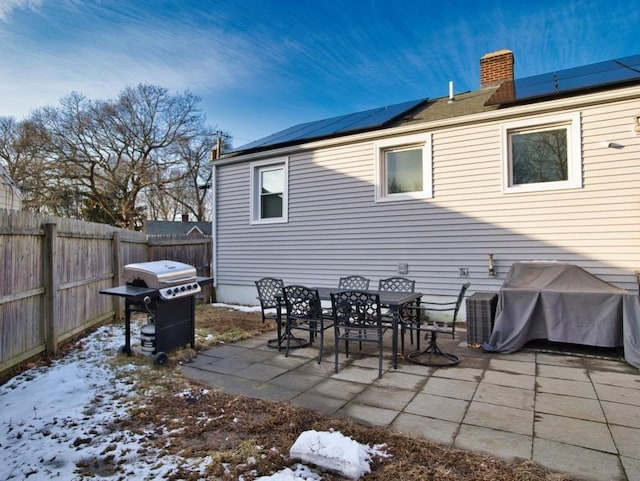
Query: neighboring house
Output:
(177,228)
(442,190)
(10,195)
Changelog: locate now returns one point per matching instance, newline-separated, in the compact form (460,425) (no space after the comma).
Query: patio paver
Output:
(507,445)
(436,430)
(505,396)
(578,432)
(503,418)
(586,463)
(570,406)
(438,407)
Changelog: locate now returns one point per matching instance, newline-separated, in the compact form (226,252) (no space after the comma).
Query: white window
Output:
(269,182)
(544,154)
(403,168)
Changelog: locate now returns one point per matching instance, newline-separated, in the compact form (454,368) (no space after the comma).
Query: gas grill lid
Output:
(159,274)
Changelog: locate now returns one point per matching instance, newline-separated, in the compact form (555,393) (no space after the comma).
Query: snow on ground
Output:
(240,308)
(56,419)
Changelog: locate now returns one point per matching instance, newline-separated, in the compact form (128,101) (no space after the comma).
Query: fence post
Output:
(117,275)
(51,290)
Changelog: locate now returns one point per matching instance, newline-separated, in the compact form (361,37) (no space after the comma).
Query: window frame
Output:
(571,122)
(256,168)
(406,142)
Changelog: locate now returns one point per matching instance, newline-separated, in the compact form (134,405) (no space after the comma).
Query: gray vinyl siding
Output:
(335,227)
(10,197)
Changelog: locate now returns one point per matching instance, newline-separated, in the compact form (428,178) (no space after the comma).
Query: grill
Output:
(173,280)
(165,290)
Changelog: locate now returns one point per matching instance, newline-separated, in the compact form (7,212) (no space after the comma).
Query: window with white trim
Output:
(269,182)
(403,168)
(544,154)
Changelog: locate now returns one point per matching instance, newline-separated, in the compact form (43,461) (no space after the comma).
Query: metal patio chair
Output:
(357,317)
(399,284)
(433,355)
(268,289)
(304,312)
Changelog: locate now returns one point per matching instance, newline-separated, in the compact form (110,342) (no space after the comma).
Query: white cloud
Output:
(8,6)
(99,59)
(110,46)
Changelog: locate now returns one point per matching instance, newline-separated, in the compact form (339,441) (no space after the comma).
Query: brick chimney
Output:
(496,67)
(185,217)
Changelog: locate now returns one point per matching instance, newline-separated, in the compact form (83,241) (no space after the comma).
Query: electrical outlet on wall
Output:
(464,272)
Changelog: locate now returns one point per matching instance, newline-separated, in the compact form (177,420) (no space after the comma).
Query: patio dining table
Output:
(392,300)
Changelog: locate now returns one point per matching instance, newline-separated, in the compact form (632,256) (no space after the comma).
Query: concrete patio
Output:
(575,414)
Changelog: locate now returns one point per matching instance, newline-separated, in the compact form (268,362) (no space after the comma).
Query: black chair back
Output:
(268,288)
(302,302)
(356,309)
(397,284)
(353,283)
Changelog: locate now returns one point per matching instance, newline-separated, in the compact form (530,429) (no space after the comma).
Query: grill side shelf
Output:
(133,293)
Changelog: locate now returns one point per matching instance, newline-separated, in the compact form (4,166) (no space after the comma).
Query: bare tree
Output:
(111,151)
(197,156)
(190,194)
(24,154)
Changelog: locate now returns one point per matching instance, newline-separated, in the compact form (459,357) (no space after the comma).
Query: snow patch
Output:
(300,472)
(335,452)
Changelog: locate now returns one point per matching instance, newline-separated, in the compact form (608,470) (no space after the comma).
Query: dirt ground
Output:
(233,429)
(247,438)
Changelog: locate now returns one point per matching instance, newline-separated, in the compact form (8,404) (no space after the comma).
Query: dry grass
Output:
(217,324)
(234,429)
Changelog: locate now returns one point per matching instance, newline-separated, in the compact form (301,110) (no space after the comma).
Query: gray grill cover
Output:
(564,303)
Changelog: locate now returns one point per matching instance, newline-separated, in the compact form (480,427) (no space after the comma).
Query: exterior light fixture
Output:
(492,266)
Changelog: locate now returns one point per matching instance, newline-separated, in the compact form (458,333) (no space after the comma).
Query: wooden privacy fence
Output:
(52,270)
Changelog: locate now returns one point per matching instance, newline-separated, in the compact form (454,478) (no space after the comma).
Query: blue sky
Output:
(262,66)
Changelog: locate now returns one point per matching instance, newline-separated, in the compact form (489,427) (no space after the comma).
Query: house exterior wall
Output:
(10,198)
(336,228)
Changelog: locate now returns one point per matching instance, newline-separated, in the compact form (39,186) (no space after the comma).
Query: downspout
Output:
(215,155)
(214,226)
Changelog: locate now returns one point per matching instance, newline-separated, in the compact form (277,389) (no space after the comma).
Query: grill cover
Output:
(564,303)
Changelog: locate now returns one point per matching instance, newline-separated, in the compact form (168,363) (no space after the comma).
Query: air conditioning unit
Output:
(481,311)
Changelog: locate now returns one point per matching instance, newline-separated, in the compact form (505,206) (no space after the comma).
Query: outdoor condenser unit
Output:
(481,311)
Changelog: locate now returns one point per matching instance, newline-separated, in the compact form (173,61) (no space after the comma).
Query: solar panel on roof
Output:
(358,121)
(596,75)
